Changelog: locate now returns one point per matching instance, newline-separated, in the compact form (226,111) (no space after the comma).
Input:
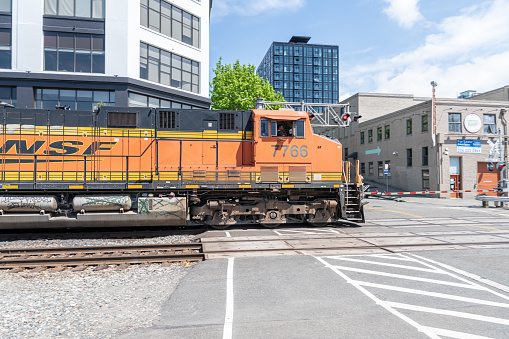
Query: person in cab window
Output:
(281,131)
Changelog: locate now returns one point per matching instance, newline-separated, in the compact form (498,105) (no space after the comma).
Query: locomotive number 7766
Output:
(295,150)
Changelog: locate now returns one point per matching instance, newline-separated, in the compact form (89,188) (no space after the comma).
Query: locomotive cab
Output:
(285,144)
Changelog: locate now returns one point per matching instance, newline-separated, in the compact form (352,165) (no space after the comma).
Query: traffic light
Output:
(501,166)
(490,166)
(344,114)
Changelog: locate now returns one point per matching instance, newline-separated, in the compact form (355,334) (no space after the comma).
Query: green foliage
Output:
(237,87)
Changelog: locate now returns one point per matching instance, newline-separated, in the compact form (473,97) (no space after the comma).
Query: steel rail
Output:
(138,247)
(102,255)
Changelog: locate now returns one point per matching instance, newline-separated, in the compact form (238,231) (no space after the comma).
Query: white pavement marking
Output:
(400,276)
(391,265)
(380,302)
(447,312)
(389,256)
(456,334)
(433,294)
(228,235)
(310,231)
(228,318)
(470,275)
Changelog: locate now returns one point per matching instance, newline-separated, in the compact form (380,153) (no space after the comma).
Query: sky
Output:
(386,46)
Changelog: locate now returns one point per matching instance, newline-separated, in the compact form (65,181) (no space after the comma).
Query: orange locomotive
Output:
(144,166)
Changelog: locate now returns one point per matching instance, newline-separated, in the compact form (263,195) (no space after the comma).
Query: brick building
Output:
(395,133)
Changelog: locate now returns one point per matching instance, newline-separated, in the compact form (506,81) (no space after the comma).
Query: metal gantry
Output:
(324,117)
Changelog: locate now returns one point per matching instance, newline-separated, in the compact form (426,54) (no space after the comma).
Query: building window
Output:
(5,6)
(380,169)
(489,123)
(363,168)
(77,8)
(379,133)
(370,165)
(8,95)
(5,48)
(86,100)
(370,135)
(409,126)
(425,156)
(169,69)
(170,20)
(409,157)
(455,122)
(387,132)
(140,100)
(424,123)
(68,52)
(425,179)
(362,138)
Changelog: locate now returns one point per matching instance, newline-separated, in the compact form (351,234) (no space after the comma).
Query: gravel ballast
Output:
(86,304)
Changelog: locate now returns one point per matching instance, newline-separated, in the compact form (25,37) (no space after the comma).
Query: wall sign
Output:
(468,146)
(472,123)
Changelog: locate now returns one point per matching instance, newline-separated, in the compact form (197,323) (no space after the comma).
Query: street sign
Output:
(468,146)
(374,151)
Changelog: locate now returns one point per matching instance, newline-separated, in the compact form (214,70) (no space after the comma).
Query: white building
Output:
(120,52)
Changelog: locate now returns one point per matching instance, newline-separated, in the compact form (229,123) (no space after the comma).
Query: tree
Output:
(237,87)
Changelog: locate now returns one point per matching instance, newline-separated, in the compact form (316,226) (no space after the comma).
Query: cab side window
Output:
(299,129)
(273,129)
(264,128)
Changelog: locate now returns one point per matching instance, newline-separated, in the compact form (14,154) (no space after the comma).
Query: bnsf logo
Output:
(68,147)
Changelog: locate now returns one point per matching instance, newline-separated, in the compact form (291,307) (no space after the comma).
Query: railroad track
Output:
(343,244)
(79,258)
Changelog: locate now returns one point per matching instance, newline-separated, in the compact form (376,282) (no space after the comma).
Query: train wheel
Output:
(220,227)
(219,221)
(270,225)
(272,219)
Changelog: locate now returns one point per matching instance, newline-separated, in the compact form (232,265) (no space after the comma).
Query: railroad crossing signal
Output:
(501,166)
(495,149)
(344,114)
(490,166)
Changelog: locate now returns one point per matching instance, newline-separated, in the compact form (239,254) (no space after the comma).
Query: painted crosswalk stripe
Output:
(407,277)
(466,274)
(455,334)
(433,294)
(390,265)
(447,312)
(380,302)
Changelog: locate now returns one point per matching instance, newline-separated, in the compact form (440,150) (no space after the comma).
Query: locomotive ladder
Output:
(353,193)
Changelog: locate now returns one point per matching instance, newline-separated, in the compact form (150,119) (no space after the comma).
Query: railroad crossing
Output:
(425,268)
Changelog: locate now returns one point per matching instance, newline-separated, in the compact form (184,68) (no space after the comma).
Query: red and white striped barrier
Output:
(428,192)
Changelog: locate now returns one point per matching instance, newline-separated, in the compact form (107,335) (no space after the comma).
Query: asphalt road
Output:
(428,293)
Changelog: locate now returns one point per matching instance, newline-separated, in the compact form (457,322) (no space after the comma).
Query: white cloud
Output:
(405,12)
(469,51)
(222,8)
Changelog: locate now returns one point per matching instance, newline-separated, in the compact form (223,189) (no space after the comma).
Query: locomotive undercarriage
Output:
(216,208)
(269,209)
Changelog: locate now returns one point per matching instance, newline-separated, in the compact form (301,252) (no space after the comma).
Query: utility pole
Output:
(505,174)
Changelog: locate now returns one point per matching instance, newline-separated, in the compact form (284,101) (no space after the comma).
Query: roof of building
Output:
(300,39)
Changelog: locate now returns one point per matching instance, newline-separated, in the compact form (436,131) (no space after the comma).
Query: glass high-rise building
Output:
(302,71)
